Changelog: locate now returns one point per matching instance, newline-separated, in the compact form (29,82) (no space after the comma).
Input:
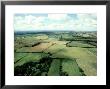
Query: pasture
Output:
(55,54)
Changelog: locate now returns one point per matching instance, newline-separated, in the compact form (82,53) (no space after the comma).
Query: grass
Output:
(19,56)
(31,57)
(55,48)
(93,50)
(39,48)
(77,55)
(84,58)
(42,37)
(71,67)
(23,49)
(27,41)
(54,68)
(79,44)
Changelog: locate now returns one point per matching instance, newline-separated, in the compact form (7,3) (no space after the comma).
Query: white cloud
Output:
(58,22)
(57,16)
(29,19)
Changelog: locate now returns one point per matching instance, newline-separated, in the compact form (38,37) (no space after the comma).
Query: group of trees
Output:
(33,68)
(37,68)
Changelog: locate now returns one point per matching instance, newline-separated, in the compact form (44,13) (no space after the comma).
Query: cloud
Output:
(57,16)
(76,22)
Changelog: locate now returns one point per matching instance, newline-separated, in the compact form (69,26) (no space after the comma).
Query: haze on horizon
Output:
(55,22)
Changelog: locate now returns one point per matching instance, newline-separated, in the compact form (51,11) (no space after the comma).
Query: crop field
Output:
(70,67)
(54,69)
(57,53)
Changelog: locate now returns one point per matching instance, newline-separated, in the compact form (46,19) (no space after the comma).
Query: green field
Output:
(29,57)
(79,44)
(54,69)
(55,54)
(71,67)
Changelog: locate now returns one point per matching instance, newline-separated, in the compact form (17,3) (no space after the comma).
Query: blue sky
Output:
(58,22)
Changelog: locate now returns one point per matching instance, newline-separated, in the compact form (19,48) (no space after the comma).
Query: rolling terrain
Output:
(62,53)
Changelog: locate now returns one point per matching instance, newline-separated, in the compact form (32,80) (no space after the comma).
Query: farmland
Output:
(55,53)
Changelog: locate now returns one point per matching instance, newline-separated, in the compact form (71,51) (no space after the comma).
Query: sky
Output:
(55,22)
